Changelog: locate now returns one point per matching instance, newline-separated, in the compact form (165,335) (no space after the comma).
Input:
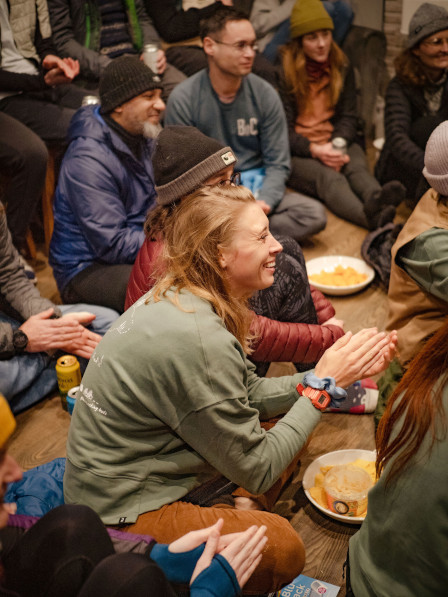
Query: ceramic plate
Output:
(334,458)
(328,263)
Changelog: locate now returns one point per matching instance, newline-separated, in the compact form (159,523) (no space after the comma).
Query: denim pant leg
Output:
(104,316)
(26,378)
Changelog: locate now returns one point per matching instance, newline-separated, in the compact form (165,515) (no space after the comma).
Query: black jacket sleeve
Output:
(10,81)
(345,119)
(177,25)
(404,105)
(21,82)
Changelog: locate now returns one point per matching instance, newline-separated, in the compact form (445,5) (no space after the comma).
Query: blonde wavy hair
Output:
(294,68)
(205,222)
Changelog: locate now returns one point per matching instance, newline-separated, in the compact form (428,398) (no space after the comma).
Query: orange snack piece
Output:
(340,276)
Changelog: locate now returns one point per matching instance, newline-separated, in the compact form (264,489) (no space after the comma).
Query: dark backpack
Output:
(376,251)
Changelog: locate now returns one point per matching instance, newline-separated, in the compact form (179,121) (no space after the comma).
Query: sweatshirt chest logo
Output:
(247,129)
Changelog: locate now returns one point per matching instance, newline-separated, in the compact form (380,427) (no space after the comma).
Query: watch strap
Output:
(19,340)
(320,399)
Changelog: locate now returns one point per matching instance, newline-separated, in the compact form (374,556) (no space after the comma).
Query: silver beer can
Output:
(90,100)
(339,144)
(150,56)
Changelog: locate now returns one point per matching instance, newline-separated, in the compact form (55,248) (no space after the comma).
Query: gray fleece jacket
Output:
(18,296)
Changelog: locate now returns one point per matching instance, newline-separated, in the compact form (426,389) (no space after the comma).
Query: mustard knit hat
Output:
(308,16)
(7,422)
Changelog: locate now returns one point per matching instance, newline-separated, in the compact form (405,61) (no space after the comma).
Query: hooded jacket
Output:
(102,198)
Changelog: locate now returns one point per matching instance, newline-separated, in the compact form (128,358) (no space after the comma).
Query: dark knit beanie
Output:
(123,79)
(183,159)
(427,20)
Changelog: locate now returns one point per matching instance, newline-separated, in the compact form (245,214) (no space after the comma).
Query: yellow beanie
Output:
(308,16)
(7,422)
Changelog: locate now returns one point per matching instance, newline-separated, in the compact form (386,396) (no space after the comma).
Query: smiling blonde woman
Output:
(172,405)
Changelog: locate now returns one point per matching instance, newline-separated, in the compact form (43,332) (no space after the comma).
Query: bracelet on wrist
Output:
(327,385)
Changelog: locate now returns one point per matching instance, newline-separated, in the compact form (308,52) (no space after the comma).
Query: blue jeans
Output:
(27,378)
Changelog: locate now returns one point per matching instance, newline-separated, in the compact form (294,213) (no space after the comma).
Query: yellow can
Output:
(68,373)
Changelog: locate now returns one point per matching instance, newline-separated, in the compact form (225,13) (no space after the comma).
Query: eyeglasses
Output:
(239,46)
(435,42)
(235,179)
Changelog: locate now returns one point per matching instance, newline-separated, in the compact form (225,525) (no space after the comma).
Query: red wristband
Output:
(320,399)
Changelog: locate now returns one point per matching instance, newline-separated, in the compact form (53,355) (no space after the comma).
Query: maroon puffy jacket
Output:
(278,341)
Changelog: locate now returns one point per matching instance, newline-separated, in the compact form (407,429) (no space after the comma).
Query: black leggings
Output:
(289,298)
(69,553)
(99,284)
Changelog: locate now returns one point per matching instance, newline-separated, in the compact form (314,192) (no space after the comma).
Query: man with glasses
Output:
(231,104)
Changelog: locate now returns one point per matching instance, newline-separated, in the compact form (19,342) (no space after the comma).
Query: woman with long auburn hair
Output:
(168,415)
(402,547)
(319,97)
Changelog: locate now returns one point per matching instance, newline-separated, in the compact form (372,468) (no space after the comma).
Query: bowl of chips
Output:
(339,275)
(319,489)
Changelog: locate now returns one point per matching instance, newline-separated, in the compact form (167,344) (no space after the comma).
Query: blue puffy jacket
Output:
(102,198)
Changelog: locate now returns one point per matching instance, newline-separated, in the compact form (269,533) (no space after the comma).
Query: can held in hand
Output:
(339,144)
(71,399)
(90,100)
(68,373)
(150,56)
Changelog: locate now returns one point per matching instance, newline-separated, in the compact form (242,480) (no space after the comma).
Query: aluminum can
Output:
(150,56)
(71,399)
(90,100)
(339,144)
(68,373)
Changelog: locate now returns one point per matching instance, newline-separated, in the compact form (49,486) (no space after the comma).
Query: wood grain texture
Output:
(42,431)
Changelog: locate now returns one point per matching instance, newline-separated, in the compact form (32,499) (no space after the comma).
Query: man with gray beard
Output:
(106,186)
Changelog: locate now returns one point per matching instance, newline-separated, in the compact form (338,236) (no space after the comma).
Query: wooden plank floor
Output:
(41,432)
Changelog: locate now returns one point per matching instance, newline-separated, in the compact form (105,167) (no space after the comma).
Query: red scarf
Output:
(315,70)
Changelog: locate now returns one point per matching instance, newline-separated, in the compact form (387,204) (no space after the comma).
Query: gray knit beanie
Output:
(123,79)
(427,20)
(436,159)
(183,159)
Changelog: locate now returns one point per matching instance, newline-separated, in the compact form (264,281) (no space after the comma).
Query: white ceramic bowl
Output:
(333,459)
(328,264)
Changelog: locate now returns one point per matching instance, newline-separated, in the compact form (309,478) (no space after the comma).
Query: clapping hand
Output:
(355,356)
(243,551)
(60,71)
(64,333)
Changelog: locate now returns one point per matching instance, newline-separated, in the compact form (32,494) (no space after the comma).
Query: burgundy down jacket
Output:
(278,341)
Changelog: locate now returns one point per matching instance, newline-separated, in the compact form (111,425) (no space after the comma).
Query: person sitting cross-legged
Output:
(32,329)
(179,405)
(106,187)
(231,104)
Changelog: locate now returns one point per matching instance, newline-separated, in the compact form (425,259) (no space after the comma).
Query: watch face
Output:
(20,340)
(322,399)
